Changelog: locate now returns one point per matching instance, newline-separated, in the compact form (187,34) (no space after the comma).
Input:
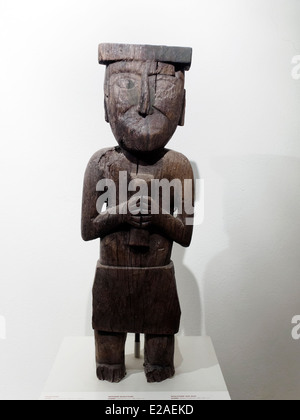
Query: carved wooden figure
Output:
(135,288)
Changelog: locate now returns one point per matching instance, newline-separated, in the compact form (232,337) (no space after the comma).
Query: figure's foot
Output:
(110,373)
(158,373)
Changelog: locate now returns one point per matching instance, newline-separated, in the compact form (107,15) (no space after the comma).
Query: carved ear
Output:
(182,116)
(106,92)
(105,109)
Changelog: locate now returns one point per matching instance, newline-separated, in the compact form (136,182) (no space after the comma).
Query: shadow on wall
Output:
(189,295)
(188,289)
(252,289)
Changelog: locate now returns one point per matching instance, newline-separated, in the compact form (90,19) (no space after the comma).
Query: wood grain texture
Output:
(147,300)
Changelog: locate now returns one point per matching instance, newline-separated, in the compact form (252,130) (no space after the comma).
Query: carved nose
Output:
(145,107)
(143,114)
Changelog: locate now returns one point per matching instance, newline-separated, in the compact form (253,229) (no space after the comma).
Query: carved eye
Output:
(126,83)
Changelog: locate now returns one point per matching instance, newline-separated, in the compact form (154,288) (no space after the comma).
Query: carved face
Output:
(144,102)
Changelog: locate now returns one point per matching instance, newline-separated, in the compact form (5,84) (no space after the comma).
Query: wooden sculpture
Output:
(135,288)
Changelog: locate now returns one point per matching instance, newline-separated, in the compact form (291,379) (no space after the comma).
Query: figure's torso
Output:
(115,247)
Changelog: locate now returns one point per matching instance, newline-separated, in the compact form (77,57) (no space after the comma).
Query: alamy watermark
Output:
(2,328)
(296,68)
(153,197)
(296,329)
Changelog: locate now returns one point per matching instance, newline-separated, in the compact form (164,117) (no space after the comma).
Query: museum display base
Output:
(198,374)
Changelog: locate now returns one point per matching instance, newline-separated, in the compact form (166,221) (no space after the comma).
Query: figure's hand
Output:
(140,212)
(140,222)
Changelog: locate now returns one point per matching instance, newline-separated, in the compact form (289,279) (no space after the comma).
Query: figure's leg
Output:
(110,356)
(159,357)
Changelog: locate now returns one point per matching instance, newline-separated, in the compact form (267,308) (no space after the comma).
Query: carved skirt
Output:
(136,300)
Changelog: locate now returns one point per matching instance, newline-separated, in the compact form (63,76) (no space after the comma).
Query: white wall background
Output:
(239,282)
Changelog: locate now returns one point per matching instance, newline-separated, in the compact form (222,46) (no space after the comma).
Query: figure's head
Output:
(144,93)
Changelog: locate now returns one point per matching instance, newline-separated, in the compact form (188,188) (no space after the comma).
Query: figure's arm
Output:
(179,228)
(109,221)
(175,228)
(93,224)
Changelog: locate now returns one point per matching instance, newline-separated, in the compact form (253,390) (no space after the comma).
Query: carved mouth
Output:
(132,116)
(155,124)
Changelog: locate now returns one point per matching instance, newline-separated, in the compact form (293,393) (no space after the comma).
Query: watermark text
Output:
(296,329)
(296,67)
(183,199)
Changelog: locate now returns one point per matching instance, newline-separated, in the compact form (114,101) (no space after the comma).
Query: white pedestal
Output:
(198,374)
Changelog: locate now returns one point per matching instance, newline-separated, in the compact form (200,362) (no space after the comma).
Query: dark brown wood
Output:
(135,287)
(109,53)
(159,357)
(147,300)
